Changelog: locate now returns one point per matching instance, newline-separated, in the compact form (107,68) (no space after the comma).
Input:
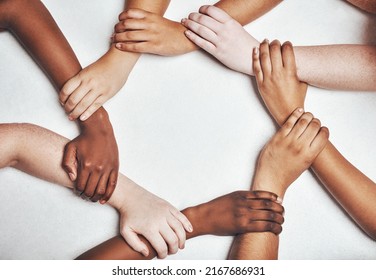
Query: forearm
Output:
(24,145)
(351,188)
(366,5)
(246,11)
(117,249)
(257,245)
(342,67)
(42,38)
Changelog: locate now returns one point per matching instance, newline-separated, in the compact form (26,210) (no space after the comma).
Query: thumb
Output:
(70,161)
(135,242)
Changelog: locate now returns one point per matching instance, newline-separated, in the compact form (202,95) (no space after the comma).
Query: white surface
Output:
(189,130)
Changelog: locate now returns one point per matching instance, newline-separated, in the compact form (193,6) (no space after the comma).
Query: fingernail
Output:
(279,200)
(256,50)
(62,104)
(118,45)
(102,201)
(71,176)
(70,118)
(300,110)
(183,20)
(145,252)
(83,117)
(266,41)
(187,32)
(190,228)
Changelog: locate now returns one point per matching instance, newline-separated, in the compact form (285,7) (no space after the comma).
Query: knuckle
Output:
(99,168)
(101,191)
(87,164)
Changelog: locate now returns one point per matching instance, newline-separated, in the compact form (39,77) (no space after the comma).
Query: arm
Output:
(41,36)
(226,215)
(24,145)
(343,67)
(146,32)
(366,5)
(351,188)
(141,212)
(93,86)
(287,155)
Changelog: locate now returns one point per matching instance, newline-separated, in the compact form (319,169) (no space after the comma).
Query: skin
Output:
(82,95)
(22,145)
(242,211)
(145,32)
(366,5)
(141,29)
(91,159)
(231,214)
(342,67)
(299,142)
(354,191)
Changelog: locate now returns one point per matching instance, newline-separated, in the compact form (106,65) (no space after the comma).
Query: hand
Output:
(290,152)
(92,159)
(277,80)
(82,95)
(157,220)
(216,32)
(145,32)
(238,212)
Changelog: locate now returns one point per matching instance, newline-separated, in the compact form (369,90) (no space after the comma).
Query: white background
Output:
(188,130)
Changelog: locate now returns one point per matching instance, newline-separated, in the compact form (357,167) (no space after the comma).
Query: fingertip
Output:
(145,252)
(119,46)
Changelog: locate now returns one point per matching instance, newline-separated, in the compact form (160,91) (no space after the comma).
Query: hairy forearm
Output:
(24,145)
(351,188)
(246,11)
(342,67)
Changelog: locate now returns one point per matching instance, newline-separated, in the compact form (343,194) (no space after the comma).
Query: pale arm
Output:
(341,67)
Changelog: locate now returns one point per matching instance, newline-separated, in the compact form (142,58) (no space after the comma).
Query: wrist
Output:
(267,183)
(99,121)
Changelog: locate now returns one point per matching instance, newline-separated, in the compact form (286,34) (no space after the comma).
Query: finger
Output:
(178,228)
(171,239)
(266,65)
(137,47)
(288,57)
(76,97)
(264,226)
(276,55)
(83,104)
(91,110)
(260,195)
(321,139)
(133,13)
(111,185)
(101,188)
(201,30)
(301,125)
(264,204)
(132,36)
(158,243)
(216,13)
(206,21)
(257,66)
(310,133)
(130,24)
(263,215)
(135,242)
(70,161)
(200,42)
(291,121)
(82,178)
(182,219)
(91,184)
(68,89)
